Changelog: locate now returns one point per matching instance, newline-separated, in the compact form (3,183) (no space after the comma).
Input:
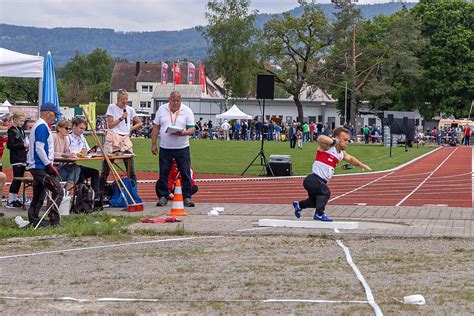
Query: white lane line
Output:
(361,187)
(106,246)
(368,292)
(118,299)
(426,179)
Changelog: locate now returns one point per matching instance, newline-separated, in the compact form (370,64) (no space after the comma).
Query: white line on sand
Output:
(368,292)
(106,246)
(426,179)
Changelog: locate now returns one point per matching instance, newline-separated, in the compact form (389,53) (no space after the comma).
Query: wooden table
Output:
(75,160)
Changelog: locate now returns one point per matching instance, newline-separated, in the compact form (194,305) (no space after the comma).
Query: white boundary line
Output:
(368,292)
(361,187)
(426,179)
(105,246)
(118,299)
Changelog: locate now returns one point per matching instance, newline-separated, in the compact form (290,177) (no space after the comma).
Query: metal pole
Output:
(345,104)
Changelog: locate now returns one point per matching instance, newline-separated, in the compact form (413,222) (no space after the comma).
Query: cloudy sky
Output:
(124,15)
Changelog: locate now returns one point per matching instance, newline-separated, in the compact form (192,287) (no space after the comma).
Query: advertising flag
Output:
(176,73)
(191,73)
(164,73)
(202,78)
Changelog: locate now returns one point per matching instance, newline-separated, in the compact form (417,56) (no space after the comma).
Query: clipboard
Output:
(174,129)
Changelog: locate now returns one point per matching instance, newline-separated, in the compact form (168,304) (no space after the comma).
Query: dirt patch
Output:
(234,274)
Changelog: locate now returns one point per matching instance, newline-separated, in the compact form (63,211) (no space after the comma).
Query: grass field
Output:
(232,157)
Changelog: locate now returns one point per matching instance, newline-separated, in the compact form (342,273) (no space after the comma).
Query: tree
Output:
(293,48)
(448,58)
(19,89)
(87,77)
(231,44)
(395,84)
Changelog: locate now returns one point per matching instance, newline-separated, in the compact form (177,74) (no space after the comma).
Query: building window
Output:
(129,103)
(147,88)
(372,121)
(145,104)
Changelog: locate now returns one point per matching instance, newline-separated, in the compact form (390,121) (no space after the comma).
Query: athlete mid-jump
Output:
(329,153)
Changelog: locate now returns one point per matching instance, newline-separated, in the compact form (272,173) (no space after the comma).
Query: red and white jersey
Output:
(326,161)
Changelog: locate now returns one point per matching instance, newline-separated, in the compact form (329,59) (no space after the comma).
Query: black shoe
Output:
(163,201)
(188,202)
(55,224)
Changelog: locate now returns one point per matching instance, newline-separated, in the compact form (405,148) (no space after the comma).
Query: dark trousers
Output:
(183,160)
(93,174)
(292,141)
(18,171)
(106,171)
(318,193)
(42,182)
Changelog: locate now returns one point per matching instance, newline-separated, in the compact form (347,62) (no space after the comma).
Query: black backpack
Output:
(84,199)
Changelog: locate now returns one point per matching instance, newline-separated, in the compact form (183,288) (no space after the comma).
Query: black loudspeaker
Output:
(265,86)
(280,169)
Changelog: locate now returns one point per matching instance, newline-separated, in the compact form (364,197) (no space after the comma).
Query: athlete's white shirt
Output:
(326,161)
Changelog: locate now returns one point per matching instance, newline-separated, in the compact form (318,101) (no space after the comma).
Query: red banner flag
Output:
(191,73)
(164,73)
(202,78)
(176,73)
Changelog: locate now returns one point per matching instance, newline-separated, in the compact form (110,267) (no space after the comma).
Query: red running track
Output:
(444,177)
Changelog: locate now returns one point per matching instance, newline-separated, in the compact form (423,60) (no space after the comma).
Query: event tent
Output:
(14,64)
(234,113)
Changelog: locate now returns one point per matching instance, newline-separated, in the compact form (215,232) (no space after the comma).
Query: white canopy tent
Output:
(234,113)
(14,64)
(6,103)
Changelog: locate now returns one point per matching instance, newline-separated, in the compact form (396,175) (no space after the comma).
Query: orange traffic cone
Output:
(177,208)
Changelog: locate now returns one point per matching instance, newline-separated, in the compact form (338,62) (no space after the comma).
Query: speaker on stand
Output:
(265,90)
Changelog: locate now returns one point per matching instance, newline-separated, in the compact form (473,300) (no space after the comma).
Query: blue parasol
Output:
(50,88)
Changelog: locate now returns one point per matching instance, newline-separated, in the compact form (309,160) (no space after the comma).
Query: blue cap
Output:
(50,107)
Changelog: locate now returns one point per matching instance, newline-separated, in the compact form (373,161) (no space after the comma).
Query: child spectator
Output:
(18,147)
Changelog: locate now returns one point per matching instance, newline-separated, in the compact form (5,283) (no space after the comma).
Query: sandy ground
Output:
(208,276)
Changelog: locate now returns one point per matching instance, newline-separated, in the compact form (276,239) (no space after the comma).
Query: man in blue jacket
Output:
(40,164)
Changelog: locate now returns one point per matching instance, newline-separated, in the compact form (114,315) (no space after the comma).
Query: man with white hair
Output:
(226,128)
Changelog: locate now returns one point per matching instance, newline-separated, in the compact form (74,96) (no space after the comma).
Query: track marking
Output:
(426,179)
(118,299)
(106,246)
(368,292)
(361,187)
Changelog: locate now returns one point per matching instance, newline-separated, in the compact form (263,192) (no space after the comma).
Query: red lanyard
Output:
(173,122)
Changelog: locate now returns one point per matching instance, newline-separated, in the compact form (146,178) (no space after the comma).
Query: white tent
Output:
(14,64)
(234,113)
(6,103)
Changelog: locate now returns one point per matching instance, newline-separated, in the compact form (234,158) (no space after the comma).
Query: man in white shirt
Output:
(226,127)
(173,145)
(78,144)
(121,121)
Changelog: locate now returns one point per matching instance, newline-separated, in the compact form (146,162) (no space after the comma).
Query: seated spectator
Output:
(68,172)
(79,145)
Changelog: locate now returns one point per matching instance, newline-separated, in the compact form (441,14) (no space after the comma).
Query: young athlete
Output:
(329,153)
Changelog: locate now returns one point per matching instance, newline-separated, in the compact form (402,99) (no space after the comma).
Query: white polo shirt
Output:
(183,118)
(122,128)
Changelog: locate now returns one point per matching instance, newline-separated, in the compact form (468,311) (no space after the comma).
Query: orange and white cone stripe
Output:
(177,207)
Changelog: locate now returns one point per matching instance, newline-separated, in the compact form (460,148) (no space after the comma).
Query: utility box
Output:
(280,165)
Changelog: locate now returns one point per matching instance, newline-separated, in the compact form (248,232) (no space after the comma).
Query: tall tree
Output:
(87,77)
(19,89)
(395,84)
(293,48)
(231,44)
(449,57)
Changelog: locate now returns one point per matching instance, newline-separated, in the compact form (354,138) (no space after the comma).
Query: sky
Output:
(125,15)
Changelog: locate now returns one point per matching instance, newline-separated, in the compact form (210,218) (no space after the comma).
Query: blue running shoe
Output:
(296,205)
(322,218)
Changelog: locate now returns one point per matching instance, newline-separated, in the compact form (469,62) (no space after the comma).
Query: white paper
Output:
(173,129)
